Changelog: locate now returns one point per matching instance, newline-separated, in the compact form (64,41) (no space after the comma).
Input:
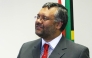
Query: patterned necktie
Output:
(45,53)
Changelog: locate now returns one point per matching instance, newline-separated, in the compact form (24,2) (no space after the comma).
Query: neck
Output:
(50,38)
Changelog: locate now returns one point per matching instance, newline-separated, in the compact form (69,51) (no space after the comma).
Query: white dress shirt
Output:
(52,44)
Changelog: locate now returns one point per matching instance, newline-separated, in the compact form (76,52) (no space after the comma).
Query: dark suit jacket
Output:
(64,49)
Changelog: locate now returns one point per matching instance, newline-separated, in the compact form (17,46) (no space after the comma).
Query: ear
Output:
(59,25)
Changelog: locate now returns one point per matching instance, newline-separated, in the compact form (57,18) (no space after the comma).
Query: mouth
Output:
(38,27)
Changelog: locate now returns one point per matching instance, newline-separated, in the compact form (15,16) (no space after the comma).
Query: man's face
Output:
(45,26)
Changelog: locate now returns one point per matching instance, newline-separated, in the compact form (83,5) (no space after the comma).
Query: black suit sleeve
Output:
(84,53)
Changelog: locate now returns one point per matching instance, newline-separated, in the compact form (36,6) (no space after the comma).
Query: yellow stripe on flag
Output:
(72,34)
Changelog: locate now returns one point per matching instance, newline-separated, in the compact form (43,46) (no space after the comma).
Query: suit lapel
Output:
(59,51)
(37,50)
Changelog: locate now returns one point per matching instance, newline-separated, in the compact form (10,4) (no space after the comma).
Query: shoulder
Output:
(27,48)
(71,44)
(75,45)
(31,43)
(77,49)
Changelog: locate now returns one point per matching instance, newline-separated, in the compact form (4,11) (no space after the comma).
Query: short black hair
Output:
(61,14)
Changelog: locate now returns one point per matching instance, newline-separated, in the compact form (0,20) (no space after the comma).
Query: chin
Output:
(38,33)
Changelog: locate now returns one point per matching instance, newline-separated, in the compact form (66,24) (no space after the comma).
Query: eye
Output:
(42,17)
(37,16)
(45,18)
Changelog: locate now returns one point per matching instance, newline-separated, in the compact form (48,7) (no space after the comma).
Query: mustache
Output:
(39,25)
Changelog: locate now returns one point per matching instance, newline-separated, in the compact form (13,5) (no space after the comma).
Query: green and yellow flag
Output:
(69,30)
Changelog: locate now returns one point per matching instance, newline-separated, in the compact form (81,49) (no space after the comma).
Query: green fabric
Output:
(68,27)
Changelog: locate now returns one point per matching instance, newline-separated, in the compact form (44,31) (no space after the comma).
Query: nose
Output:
(39,20)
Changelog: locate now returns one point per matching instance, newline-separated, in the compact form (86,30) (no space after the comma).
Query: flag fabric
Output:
(69,30)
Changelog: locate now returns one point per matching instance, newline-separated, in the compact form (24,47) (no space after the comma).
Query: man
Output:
(51,21)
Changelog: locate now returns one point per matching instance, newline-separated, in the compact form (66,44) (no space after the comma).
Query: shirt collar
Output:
(52,43)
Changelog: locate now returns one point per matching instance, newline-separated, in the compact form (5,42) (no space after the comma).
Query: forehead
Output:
(48,12)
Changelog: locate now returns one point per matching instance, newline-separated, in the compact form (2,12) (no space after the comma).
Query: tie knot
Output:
(46,46)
